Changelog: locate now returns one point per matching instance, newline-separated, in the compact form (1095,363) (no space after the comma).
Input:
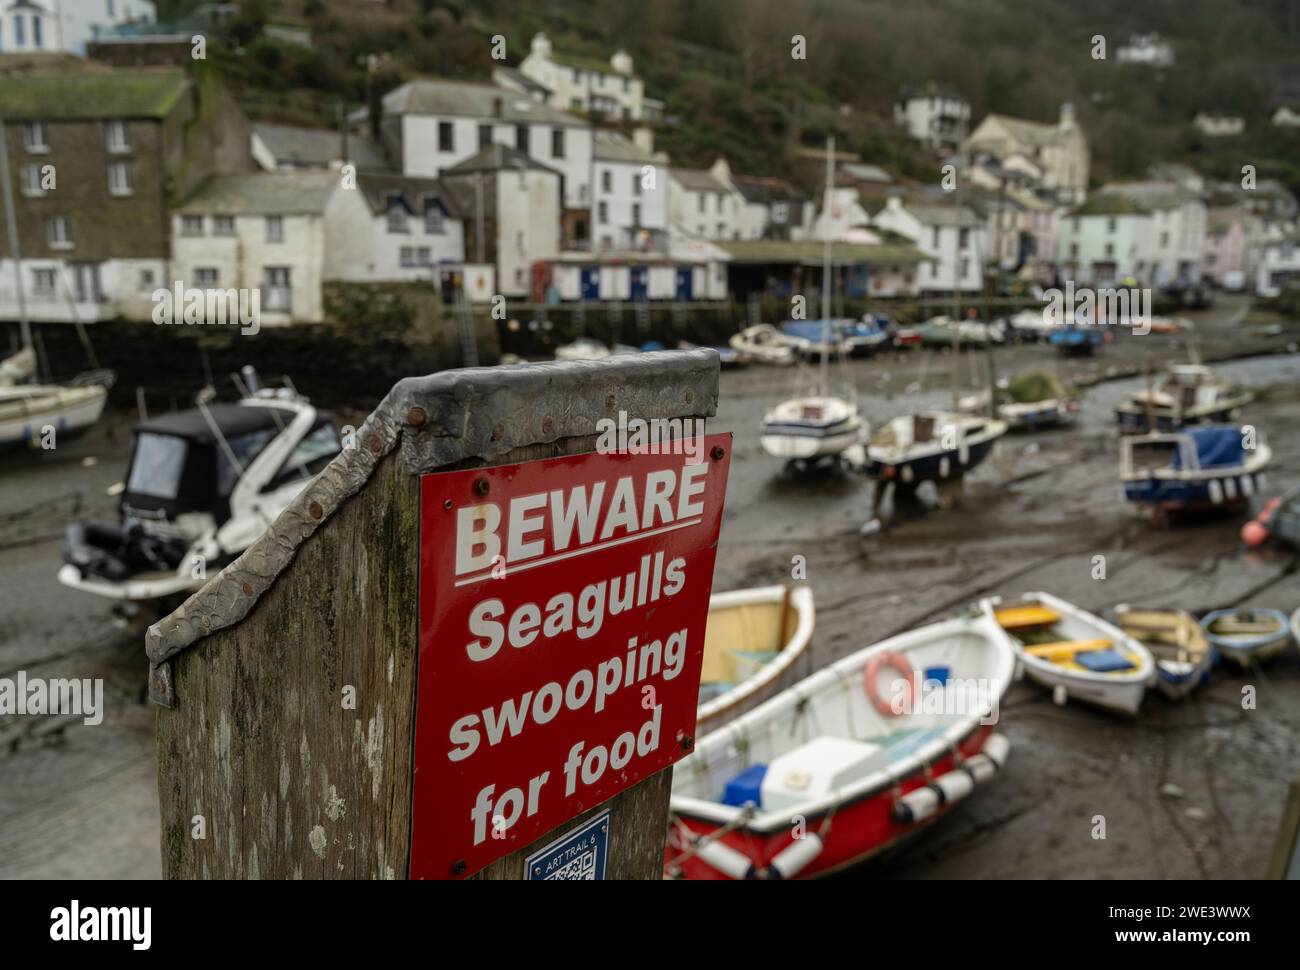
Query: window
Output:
(557,142)
(223,225)
(157,465)
(606,181)
(636,183)
(717,202)
(965,267)
(963,239)
(484,137)
(275,229)
(1164,240)
(722,230)
(700,199)
(602,213)
(38,39)
(119,178)
(115,136)
(779,212)
(311,456)
(1074,250)
(43,284)
(446,137)
(146,279)
(577,76)
(34,137)
(20,30)
(244,447)
(636,213)
(112,12)
(407,256)
(934,238)
(59,232)
(31,181)
(191,225)
(521,138)
(206,276)
(1110,225)
(397,216)
(424,255)
(432,218)
(277,290)
(1110,250)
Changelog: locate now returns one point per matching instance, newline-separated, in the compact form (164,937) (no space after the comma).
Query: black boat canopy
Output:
(232,419)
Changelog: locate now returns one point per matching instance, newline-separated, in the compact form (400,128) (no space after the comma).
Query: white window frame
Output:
(219,221)
(192,226)
(275,229)
(201,274)
(31,188)
(64,240)
(36,138)
(117,138)
(125,185)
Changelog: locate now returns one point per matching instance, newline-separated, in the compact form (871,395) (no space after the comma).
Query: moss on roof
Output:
(92,94)
(1110,205)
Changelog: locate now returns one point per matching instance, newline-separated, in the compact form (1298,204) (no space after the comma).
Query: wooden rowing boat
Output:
(1177,643)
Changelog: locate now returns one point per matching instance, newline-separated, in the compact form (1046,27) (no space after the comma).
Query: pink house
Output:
(1225,247)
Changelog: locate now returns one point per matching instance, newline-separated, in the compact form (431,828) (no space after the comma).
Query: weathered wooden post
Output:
(438,675)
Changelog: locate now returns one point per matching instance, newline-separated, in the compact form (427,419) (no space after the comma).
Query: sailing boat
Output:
(817,425)
(27,410)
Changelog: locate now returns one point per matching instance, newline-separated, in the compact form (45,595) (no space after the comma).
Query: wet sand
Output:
(77,800)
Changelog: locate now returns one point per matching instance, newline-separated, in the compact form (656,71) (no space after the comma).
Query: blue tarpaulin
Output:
(1216,447)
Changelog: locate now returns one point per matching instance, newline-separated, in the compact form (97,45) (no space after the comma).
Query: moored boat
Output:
(1076,654)
(931,446)
(811,427)
(26,410)
(1177,644)
(584,348)
(1193,470)
(753,637)
(846,764)
(1189,394)
(1248,636)
(1076,340)
(765,344)
(1278,520)
(1034,399)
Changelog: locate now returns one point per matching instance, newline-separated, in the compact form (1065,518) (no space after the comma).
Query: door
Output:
(685,283)
(591,283)
(640,284)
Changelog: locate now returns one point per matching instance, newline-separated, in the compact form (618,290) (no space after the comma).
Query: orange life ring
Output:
(900,665)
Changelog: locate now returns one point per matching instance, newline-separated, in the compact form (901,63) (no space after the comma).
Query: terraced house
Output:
(95,158)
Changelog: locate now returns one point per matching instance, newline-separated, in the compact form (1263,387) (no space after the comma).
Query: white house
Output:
(1148,49)
(1059,151)
(702,204)
(1285,117)
(513,209)
(771,208)
(1177,239)
(631,192)
(608,89)
(842,218)
(27,26)
(1214,125)
(1107,240)
(1277,262)
(938,118)
(270,232)
(410,229)
(430,127)
(951,237)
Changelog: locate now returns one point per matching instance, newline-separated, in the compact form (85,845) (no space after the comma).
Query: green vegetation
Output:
(725,71)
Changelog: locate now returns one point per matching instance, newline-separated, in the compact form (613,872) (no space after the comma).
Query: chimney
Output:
(644,138)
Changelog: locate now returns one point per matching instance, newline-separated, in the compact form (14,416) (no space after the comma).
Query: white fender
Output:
(1247,485)
(1230,488)
(943,467)
(1060,695)
(996,748)
(1216,491)
(728,861)
(955,785)
(919,804)
(794,858)
(906,473)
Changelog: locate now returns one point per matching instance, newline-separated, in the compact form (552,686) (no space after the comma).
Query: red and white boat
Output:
(855,759)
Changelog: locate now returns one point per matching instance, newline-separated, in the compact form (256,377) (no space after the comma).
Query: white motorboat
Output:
(1076,654)
(584,348)
(201,486)
(812,427)
(765,344)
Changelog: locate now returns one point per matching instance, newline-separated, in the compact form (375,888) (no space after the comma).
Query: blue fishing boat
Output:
(812,337)
(863,336)
(1074,340)
(1192,470)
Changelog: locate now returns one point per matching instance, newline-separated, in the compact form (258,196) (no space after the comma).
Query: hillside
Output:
(725,71)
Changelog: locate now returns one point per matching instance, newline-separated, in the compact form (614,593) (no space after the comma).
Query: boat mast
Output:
(11,224)
(826,263)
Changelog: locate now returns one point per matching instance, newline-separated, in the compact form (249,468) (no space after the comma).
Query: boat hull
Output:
(950,463)
(1133,419)
(861,828)
(796,443)
(69,411)
(1246,653)
(1203,493)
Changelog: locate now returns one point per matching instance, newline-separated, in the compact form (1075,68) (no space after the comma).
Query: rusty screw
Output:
(415,417)
(315,511)
(717,452)
(247,589)
(374,444)
(548,426)
(482,486)
(458,867)
(687,742)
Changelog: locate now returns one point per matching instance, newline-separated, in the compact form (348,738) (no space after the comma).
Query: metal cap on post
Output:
(290,683)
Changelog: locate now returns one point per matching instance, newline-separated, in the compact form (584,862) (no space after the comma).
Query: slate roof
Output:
(765,189)
(378,189)
(496,157)
(466,99)
(264,193)
(319,147)
(610,146)
(698,180)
